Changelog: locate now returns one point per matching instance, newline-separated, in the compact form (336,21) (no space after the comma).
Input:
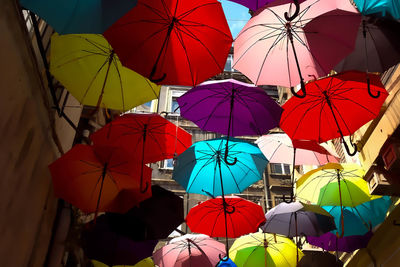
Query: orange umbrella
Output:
(102,178)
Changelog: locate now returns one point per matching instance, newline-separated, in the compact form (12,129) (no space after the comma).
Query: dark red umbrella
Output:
(174,42)
(241,217)
(335,107)
(99,178)
(149,137)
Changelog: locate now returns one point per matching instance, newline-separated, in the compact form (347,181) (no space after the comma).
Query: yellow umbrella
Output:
(261,249)
(88,67)
(147,262)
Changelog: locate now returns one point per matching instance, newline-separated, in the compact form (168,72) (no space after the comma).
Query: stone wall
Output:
(28,129)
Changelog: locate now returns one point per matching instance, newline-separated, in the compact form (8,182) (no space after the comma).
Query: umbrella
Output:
(91,71)
(202,170)
(260,249)
(319,258)
(334,185)
(153,218)
(233,217)
(278,148)
(149,136)
(226,263)
(76,16)
(335,106)
(377,46)
(256,4)
(362,218)
(231,108)
(108,247)
(98,179)
(274,50)
(379,6)
(296,218)
(331,242)
(189,250)
(173,42)
(147,262)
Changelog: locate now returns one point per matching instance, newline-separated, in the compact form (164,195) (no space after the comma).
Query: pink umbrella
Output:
(190,250)
(275,49)
(279,148)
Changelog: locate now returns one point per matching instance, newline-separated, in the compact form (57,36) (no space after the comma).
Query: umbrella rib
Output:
(74,60)
(243,102)
(99,46)
(354,102)
(178,33)
(91,164)
(197,174)
(186,13)
(92,81)
(120,82)
(157,12)
(214,110)
(341,117)
(196,24)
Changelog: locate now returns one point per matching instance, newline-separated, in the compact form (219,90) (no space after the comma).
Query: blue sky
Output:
(237,16)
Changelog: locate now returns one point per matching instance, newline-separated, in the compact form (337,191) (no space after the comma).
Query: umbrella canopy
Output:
(298,219)
(99,179)
(319,258)
(260,249)
(331,242)
(202,170)
(76,16)
(335,106)
(147,262)
(243,217)
(230,107)
(149,137)
(190,250)
(276,50)
(256,4)
(153,218)
(279,148)
(362,218)
(226,263)
(88,67)
(320,186)
(377,46)
(379,6)
(173,42)
(103,245)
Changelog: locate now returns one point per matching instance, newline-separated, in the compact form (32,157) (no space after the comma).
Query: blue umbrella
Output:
(360,219)
(226,263)
(367,7)
(202,169)
(77,16)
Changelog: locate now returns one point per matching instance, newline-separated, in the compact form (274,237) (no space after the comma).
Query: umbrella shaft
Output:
(224,205)
(290,35)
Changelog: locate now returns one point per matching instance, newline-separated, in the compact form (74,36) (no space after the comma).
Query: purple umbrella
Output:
(256,4)
(331,242)
(101,244)
(231,108)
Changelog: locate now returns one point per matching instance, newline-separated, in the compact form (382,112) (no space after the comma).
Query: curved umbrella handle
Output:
(154,80)
(296,12)
(303,90)
(232,209)
(225,258)
(226,157)
(346,146)
(143,190)
(369,90)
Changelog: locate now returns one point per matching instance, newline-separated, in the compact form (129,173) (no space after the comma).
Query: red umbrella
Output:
(177,42)
(149,137)
(241,217)
(335,106)
(98,179)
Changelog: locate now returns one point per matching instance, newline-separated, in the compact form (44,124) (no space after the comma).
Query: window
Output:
(280,168)
(167,164)
(228,65)
(175,106)
(279,199)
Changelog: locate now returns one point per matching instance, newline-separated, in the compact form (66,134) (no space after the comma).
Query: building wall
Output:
(29,133)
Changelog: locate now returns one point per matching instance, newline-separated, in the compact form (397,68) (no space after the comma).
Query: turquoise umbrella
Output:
(77,16)
(202,169)
(367,7)
(362,218)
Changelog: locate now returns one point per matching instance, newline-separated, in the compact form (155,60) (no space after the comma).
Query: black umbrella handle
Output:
(369,89)
(303,90)
(226,159)
(296,12)
(346,146)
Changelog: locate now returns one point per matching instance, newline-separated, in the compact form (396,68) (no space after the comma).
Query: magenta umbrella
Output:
(256,4)
(276,49)
(190,250)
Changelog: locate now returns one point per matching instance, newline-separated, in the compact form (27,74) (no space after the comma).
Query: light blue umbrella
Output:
(79,16)
(360,219)
(202,169)
(367,7)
